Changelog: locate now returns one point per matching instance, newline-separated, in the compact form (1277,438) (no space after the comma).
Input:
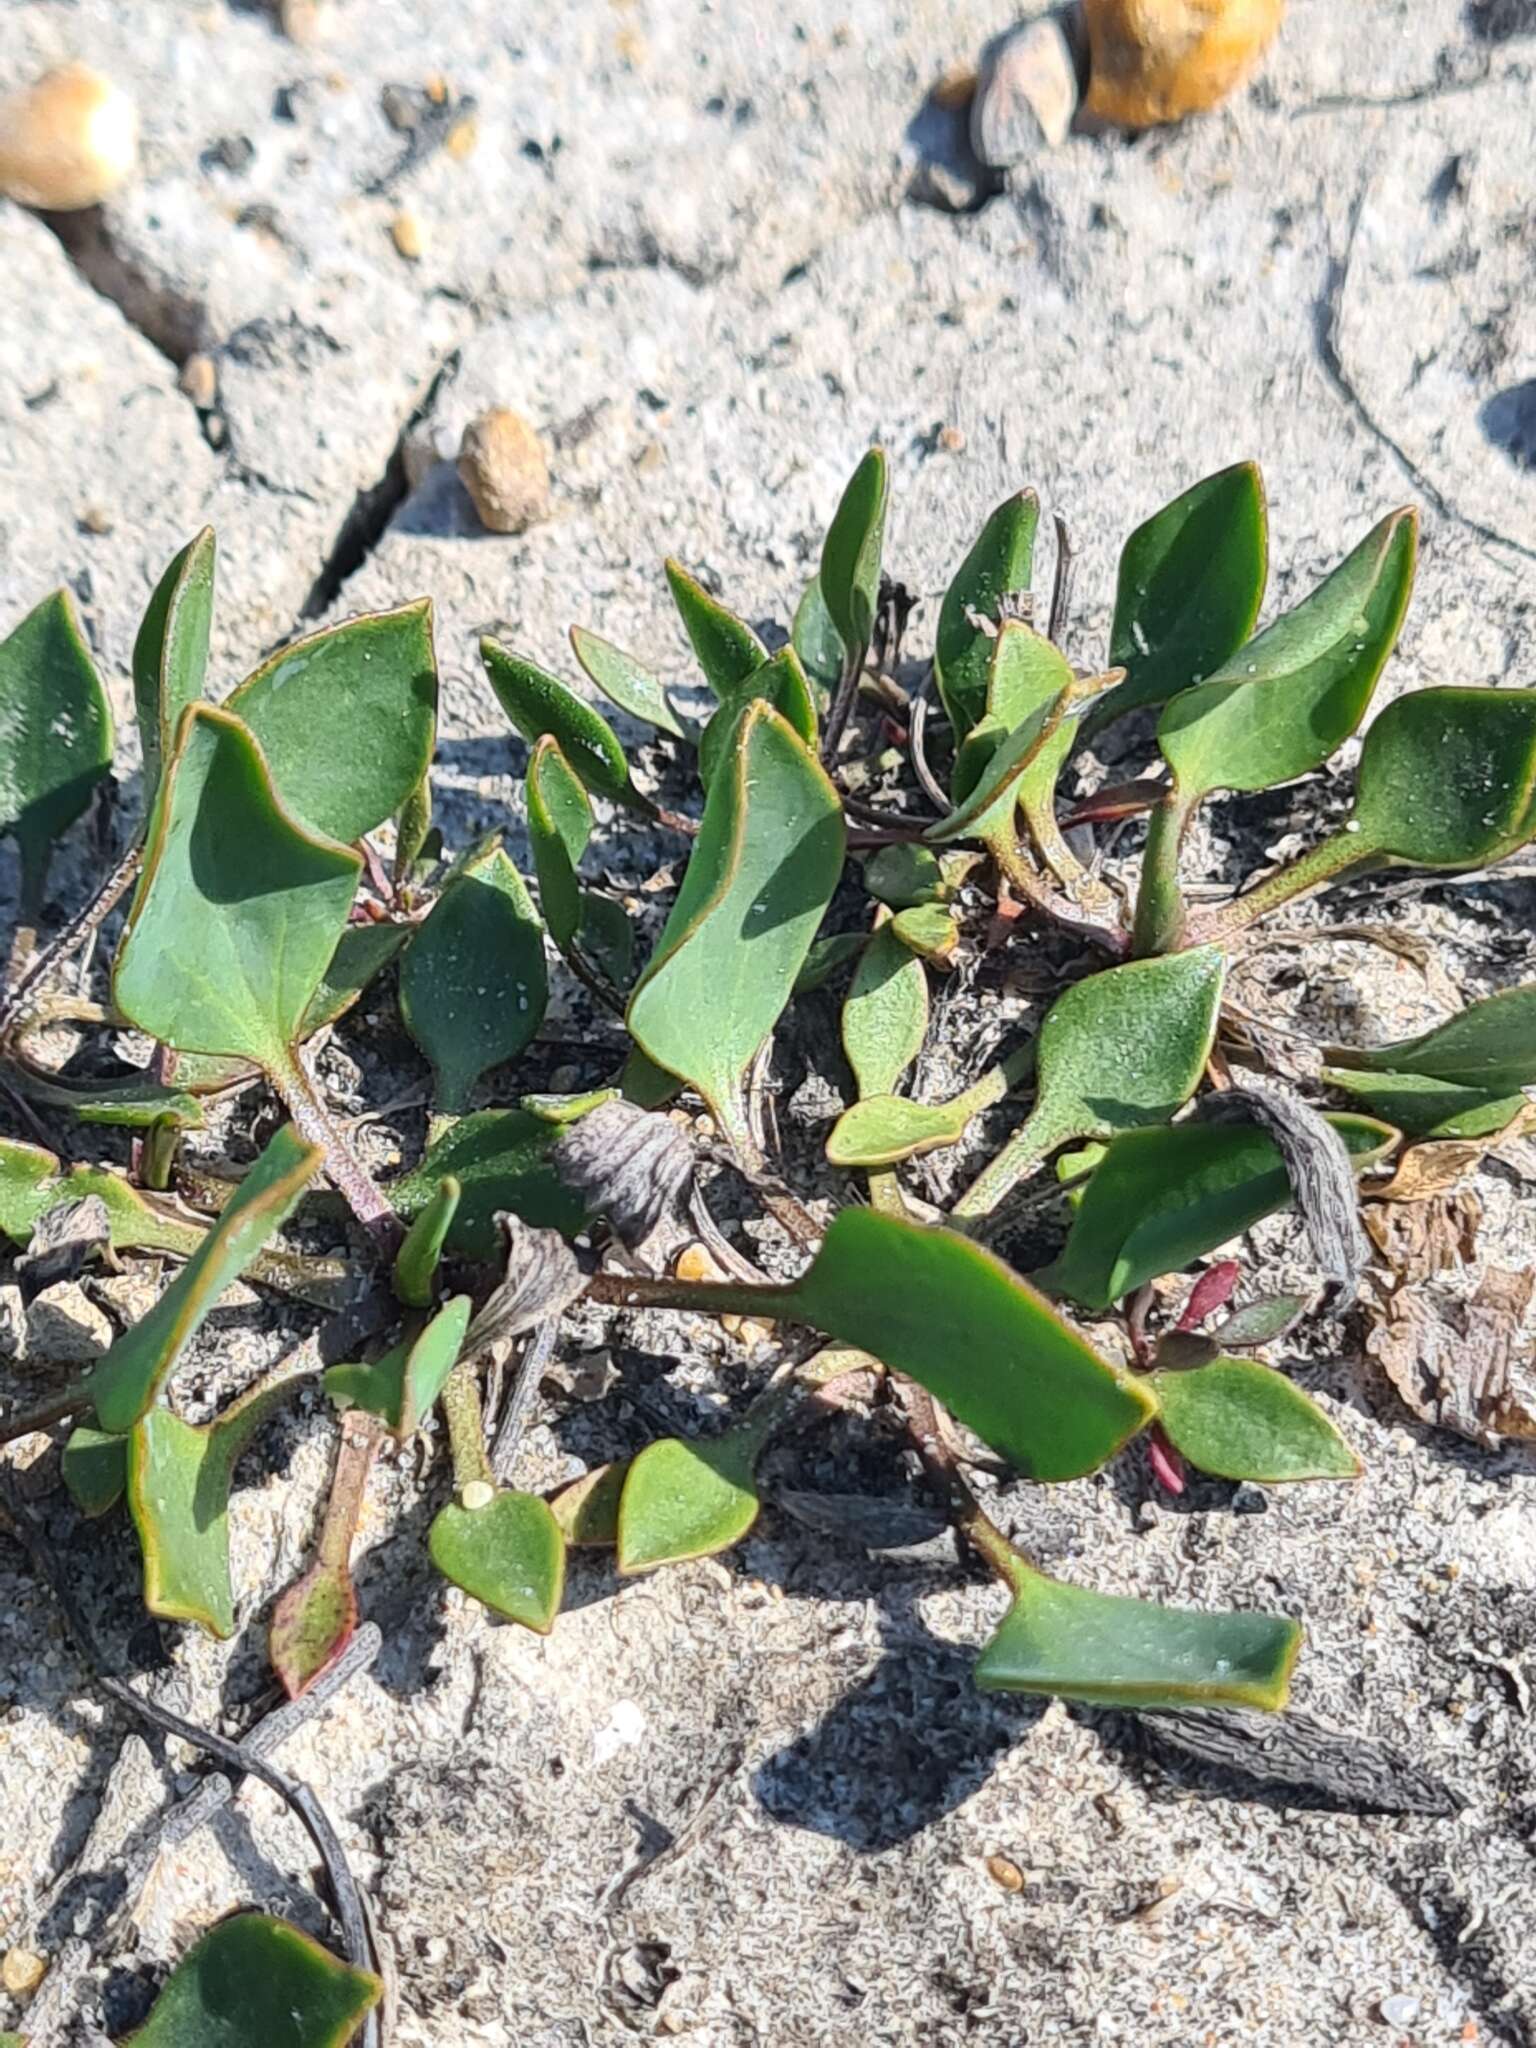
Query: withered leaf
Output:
(1462,1365)
(1420,1239)
(1435,1167)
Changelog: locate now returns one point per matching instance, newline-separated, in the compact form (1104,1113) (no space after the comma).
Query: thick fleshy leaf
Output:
(537,703)
(170,654)
(1282,704)
(32,1182)
(1422,1107)
(401,1387)
(1189,589)
(559,826)
(588,1509)
(1079,1645)
(135,1105)
(346,718)
(315,1617)
(1026,672)
(817,641)
(780,681)
(628,683)
(500,1158)
(905,876)
(1001,559)
(252,1982)
(828,957)
(421,1253)
(762,872)
(1489,1045)
(725,647)
(1242,1420)
(509,1555)
(134,1369)
(179,1479)
(1447,778)
(362,953)
(850,554)
(885,1018)
(937,1307)
(1161,1198)
(929,930)
(55,734)
(473,983)
(882,1130)
(684,1500)
(987,813)
(238,909)
(1121,1048)
(94,1466)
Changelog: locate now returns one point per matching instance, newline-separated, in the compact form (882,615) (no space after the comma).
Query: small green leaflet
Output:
(417,1260)
(1242,1420)
(685,1500)
(1001,560)
(401,1387)
(762,872)
(500,1158)
(55,735)
(253,1982)
(817,641)
(725,647)
(509,1555)
(885,1016)
(1422,1107)
(850,554)
(170,654)
(347,718)
(627,683)
(1489,1045)
(32,1182)
(536,704)
(780,681)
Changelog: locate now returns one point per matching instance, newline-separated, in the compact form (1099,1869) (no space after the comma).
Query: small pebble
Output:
(1003,1871)
(400,108)
(436,89)
(461,138)
(405,232)
(1400,2010)
(68,141)
(199,381)
(505,471)
(95,519)
(13,1323)
(21,1971)
(1027,98)
(299,20)
(65,1326)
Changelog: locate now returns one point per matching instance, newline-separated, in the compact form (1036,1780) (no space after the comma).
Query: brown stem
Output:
(466,1428)
(965,1510)
(1031,885)
(70,1402)
(346,1172)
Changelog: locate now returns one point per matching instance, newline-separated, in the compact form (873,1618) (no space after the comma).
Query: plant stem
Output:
(707,1297)
(1027,882)
(1327,863)
(79,927)
(1022,1153)
(1160,912)
(965,1510)
(466,1428)
(70,1402)
(368,1202)
(842,702)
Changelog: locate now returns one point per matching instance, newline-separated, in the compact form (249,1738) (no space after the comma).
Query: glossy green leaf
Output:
(134,1105)
(1190,585)
(588,1509)
(1489,1045)
(684,1500)
(128,1378)
(559,827)
(987,813)
(817,641)
(32,1182)
(1001,559)
(905,876)
(1079,1645)
(413,828)
(850,555)
(780,681)
(1422,1107)
(536,704)
(1261,1321)
(252,1982)
(929,930)
(1165,1196)
(726,648)
(55,734)
(607,937)
(238,909)
(1282,704)
(628,683)
(509,1555)
(885,1017)
(1121,1048)
(762,872)
(1242,1420)
(170,654)
(179,1479)
(421,1252)
(94,1467)
(500,1158)
(473,983)
(566,1109)
(346,718)
(401,1387)
(827,957)
(937,1307)
(1447,779)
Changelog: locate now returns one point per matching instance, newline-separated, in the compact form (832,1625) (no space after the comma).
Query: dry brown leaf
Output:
(1462,1365)
(1435,1167)
(1419,1239)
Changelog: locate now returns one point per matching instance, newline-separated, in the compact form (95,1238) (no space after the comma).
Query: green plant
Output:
(262,913)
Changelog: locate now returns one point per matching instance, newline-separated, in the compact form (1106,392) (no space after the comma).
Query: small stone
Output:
(400,108)
(1400,2010)
(66,1327)
(479,1493)
(1003,1871)
(1250,1500)
(1158,60)
(67,141)
(952,440)
(405,232)
(436,89)
(461,138)
(505,471)
(199,381)
(1027,98)
(299,20)
(96,519)
(21,1971)
(131,1294)
(13,1324)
